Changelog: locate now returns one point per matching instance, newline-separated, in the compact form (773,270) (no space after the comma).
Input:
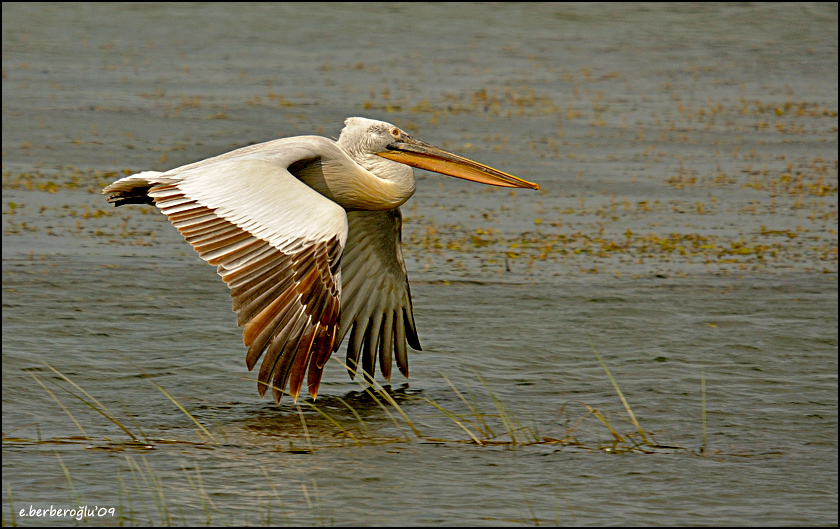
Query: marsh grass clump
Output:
(359,418)
(489,421)
(373,415)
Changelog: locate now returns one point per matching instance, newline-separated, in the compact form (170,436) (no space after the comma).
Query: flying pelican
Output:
(306,233)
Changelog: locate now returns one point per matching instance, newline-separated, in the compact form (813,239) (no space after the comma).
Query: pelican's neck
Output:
(374,184)
(389,184)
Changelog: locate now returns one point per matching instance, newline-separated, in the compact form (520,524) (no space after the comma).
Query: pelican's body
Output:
(306,233)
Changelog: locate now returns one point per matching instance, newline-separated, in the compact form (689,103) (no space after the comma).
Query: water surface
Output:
(686,228)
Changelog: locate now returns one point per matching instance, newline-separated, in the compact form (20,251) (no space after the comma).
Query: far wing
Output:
(376,300)
(276,243)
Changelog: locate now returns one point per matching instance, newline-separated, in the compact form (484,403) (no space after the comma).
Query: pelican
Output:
(306,232)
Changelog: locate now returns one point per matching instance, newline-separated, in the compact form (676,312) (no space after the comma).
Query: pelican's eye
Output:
(395,132)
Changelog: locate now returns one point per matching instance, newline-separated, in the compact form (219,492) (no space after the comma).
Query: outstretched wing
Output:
(376,300)
(276,242)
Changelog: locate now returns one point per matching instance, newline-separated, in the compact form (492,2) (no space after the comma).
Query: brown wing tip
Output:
(313,378)
(262,387)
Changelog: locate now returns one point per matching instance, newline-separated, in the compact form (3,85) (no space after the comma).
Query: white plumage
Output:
(306,233)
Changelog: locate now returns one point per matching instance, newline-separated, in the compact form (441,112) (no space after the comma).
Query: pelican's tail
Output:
(132,189)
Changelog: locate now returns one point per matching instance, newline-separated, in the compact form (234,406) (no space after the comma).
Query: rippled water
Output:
(686,229)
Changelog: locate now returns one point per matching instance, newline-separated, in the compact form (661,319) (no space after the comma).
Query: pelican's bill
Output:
(413,152)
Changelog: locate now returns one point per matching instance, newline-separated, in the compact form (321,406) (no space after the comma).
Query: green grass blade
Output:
(503,414)
(120,489)
(530,507)
(473,408)
(175,402)
(158,486)
(335,422)
(198,494)
(134,420)
(396,406)
(452,416)
(490,433)
(305,428)
(276,495)
(379,389)
(358,417)
(63,407)
(101,408)
(183,410)
(69,479)
(620,394)
(385,409)
(136,469)
(606,423)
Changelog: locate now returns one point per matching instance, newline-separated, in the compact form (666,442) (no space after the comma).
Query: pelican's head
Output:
(363,136)
(365,139)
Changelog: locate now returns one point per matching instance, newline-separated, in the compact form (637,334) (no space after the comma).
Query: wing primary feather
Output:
(281,322)
(256,286)
(331,325)
(322,344)
(335,257)
(282,369)
(354,349)
(260,321)
(305,287)
(371,344)
(399,343)
(304,259)
(386,345)
(278,356)
(318,306)
(410,329)
(247,307)
(298,368)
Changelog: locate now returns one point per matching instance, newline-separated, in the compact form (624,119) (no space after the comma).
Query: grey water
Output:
(685,231)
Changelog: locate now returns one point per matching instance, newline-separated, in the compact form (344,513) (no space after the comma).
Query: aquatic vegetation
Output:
(481,416)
